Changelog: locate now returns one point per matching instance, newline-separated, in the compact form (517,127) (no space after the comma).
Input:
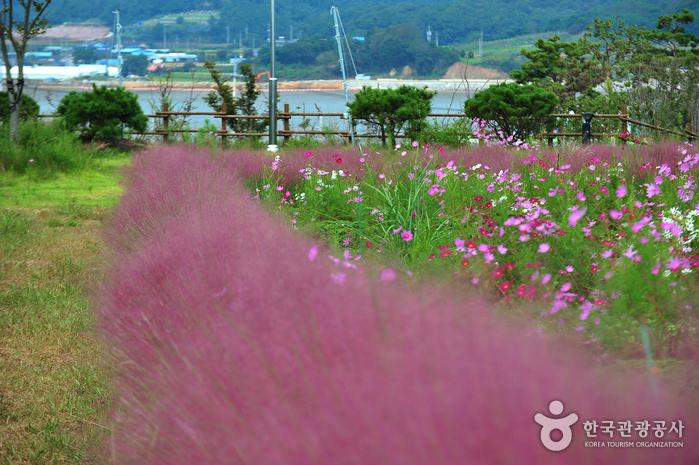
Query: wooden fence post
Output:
(224,130)
(689,129)
(287,128)
(624,116)
(166,121)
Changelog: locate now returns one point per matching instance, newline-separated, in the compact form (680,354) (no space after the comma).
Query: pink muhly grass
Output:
(232,347)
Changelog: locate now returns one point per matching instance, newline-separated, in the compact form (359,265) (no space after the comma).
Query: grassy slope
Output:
(54,380)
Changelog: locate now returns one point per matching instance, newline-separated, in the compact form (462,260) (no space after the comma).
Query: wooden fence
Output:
(287,133)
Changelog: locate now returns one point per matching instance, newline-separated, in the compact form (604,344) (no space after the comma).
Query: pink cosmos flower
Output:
(674,265)
(312,253)
(546,278)
(576,216)
(338,278)
(615,214)
(543,248)
(406,236)
(483,248)
(652,190)
(621,191)
(388,275)
(396,231)
(630,253)
(565,287)
(502,249)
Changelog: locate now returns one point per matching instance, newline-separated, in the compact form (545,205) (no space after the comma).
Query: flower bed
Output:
(599,241)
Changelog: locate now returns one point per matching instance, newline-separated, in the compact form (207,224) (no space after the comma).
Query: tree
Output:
(102,113)
(30,109)
(561,67)
(135,64)
(85,55)
(223,93)
(615,46)
(248,100)
(389,110)
(30,24)
(518,110)
(658,66)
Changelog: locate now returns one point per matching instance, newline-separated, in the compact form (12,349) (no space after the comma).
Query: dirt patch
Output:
(465,71)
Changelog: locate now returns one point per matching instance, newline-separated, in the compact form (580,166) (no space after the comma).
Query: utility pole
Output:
(480,45)
(436,40)
(291,32)
(228,35)
(118,38)
(272,147)
(164,38)
(246,32)
(240,40)
(336,16)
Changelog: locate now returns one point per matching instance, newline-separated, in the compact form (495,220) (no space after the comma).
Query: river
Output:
(328,101)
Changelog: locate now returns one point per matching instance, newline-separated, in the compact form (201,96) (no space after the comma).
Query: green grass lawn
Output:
(54,377)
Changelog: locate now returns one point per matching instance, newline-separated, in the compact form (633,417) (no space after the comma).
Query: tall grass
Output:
(236,343)
(44,149)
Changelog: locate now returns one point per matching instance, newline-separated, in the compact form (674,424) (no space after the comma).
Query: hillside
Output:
(456,21)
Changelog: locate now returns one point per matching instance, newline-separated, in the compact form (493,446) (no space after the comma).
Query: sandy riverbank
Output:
(285,86)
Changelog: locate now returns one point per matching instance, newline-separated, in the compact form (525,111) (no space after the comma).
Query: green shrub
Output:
(302,142)
(390,110)
(102,113)
(518,110)
(453,132)
(29,110)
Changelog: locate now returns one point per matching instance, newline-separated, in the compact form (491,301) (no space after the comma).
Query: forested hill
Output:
(454,20)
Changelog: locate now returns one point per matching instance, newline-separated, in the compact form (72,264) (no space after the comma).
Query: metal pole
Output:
(336,14)
(272,147)
(118,31)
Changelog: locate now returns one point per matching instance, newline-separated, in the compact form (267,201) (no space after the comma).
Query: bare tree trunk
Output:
(15,95)
(28,28)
